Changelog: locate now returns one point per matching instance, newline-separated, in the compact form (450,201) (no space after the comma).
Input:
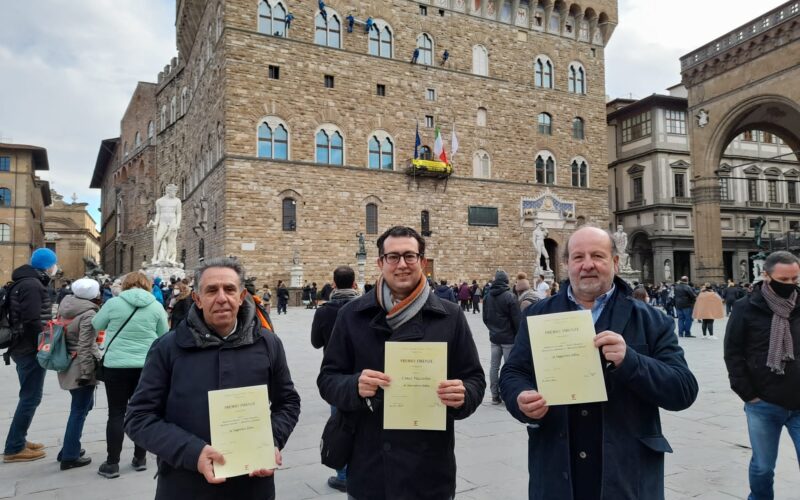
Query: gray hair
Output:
(227,262)
(780,257)
(614,249)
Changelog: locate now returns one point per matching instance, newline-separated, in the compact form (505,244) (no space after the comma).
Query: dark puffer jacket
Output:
(501,313)
(746,348)
(31,308)
(685,296)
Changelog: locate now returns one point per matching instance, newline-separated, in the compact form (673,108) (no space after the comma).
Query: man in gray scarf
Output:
(762,343)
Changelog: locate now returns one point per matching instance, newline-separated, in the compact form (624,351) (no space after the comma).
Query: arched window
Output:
(545,124)
(272,18)
(151,129)
(425,153)
(425,46)
(481,165)
(137,139)
(555,22)
(184,100)
(173,109)
(163,117)
(481,118)
(580,173)
(5,197)
(273,141)
(577,128)
(328,31)
(380,40)
(372,218)
(201,249)
(289,214)
(543,72)
(219,21)
(425,223)
(381,153)
(330,147)
(5,232)
(210,44)
(545,168)
(480,61)
(576,79)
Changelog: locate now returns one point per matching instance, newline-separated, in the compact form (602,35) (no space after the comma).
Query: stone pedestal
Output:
(630,275)
(296,274)
(361,264)
(164,270)
(549,275)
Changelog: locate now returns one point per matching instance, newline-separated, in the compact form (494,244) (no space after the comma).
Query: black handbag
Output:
(338,437)
(99,369)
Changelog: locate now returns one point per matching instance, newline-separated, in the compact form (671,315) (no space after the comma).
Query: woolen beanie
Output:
(86,288)
(43,258)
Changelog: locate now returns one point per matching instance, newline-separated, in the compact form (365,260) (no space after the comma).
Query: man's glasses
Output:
(394,258)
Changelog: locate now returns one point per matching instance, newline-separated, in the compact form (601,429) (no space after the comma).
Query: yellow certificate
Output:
(241,430)
(567,364)
(411,401)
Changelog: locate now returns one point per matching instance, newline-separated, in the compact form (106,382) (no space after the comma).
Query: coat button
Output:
(387,446)
(582,454)
(584,413)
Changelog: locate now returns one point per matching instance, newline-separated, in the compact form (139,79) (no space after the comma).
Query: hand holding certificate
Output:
(414,399)
(241,431)
(566,361)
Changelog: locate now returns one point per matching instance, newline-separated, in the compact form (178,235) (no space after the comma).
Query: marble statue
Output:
(702,118)
(667,271)
(539,234)
(166,224)
(362,249)
(621,240)
(743,272)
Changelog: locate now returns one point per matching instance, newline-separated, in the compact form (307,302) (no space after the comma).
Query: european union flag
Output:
(417,143)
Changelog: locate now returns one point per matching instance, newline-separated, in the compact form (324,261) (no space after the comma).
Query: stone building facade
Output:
(72,234)
(285,139)
(650,183)
(23,198)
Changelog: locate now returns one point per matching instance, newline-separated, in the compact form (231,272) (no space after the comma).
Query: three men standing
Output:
(611,450)
(399,464)
(762,345)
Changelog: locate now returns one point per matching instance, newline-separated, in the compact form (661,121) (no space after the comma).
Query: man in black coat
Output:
(345,290)
(501,315)
(30,310)
(762,349)
(399,464)
(731,294)
(612,450)
(685,297)
(220,345)
(283,296)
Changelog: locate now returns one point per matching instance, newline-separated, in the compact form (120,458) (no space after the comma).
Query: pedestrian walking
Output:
(707,308)
(464,296)
(477,294)
(685,297)
(444,292)
(266,298)
(283,296)
(501,315)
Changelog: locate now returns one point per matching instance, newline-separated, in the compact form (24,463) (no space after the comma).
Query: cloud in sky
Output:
(69,68)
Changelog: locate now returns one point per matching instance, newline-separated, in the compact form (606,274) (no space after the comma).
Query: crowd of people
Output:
(159,348)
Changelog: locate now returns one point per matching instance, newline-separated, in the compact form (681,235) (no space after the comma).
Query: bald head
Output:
(591,230)
(592,262)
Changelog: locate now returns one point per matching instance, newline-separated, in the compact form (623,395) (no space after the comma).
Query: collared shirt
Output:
(235,324)
(599,303)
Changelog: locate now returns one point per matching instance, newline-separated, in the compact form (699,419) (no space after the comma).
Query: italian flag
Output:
(438,147)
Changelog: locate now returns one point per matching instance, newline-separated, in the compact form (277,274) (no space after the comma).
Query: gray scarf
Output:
(399,314)
(781,347)
(344,294)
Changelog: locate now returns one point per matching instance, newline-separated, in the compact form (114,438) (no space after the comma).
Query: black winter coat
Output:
(626,429)
(395,464)
(30,309)
(732,294)
(501,315)
(168,413)
(444,292)
(685,296)
(324,319)
(746,348)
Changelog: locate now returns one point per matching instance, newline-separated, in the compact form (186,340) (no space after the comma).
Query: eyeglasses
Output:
(394,258)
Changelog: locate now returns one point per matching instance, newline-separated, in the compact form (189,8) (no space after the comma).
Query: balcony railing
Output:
(756,204)
(681,200)
(635,203)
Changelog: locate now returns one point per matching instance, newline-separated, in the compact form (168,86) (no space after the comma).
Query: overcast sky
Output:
(68,68)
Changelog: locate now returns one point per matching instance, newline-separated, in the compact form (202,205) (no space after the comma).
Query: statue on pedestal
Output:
(621,240)
(539,250)
(362,249)
(166,223)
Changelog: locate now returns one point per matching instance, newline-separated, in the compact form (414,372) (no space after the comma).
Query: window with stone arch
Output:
(425,46)
(173,109)
(576,78)
(543,72)
(5,197)
(184,100)
(137,140)
(328,30)
(545,168)
(219,21)
(272,18)
(289,214)
(381,39)
(480,60)
(381,151)
(372,218)
(273,139)
(480,119)
(329,146)
(151,129)
(5,232)
(163,117)
(578,126)
(580,172)
(481,165)
(545,122)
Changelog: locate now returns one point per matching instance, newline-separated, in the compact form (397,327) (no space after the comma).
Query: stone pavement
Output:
(710,438)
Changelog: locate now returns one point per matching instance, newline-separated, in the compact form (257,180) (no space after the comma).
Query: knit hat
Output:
(43,258)
(86,288)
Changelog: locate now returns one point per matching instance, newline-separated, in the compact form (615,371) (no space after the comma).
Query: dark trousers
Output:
(708,324)
(728,308)
(31,381)
(282,305)
(684,322)
(82,402)
(120,384)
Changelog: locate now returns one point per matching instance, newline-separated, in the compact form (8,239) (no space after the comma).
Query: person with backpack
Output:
(132,321)
(29,309)
(477,294)
(501,315)
(79,310)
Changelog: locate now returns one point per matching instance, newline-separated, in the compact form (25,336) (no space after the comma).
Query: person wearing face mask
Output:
(30,310)
(762,345)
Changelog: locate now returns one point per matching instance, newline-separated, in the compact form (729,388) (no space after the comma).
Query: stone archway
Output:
(551,246)
(741,81)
